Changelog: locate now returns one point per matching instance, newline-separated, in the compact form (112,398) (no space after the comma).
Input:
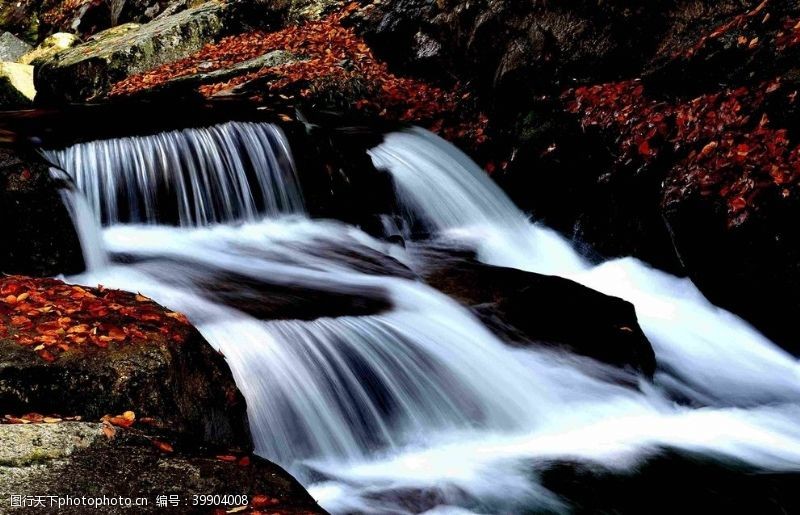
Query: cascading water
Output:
(412,393)
(711,355)
(193,177)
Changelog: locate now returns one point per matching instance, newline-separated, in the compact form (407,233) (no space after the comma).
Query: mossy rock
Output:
(80,459)
(89,70)
(49,47)
(163,370)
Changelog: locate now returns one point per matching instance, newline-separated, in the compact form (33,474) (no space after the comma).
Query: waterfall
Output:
(704,352)
(413,393)
(193,177)
(89,236)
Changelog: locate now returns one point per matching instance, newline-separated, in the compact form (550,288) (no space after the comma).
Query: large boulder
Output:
(91,352)
(92,461)
(88,70)
(526,308)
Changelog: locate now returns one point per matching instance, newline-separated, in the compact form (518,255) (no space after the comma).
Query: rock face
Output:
(90,69)
(524,308)
(81,460)
(39,236)
(114,353)
(12,48)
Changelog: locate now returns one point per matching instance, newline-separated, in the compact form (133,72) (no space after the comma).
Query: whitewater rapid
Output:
(421,396)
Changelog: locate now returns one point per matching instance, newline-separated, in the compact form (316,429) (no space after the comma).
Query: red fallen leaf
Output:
(738,203)
(109,431)
(125,420)
(245,461)
(709,148)
(80,328)
(262,501)
(48,327)
(226,457)
(163,446)
(46,339)
(20,321)
(45,355)
(117,334)
(644,148)
(180,317)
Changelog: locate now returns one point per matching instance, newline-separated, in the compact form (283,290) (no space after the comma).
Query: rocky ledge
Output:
(102,386)
(77,461)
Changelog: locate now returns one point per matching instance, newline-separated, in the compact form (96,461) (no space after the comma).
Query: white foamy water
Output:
(420,397)
(191,177)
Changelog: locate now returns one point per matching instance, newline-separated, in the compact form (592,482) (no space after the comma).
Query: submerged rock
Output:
(110,352)
(83,460)
(525,307)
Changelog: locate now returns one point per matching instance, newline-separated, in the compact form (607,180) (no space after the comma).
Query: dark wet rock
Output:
(12,48)
(672,482)
(723,158)
(172,376)
(752,269)
(186,388)
(524,307)
(337,176)
(38,234)
(80,460)
(285,298)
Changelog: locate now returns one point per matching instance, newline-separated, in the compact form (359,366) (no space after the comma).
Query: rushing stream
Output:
(419,397)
